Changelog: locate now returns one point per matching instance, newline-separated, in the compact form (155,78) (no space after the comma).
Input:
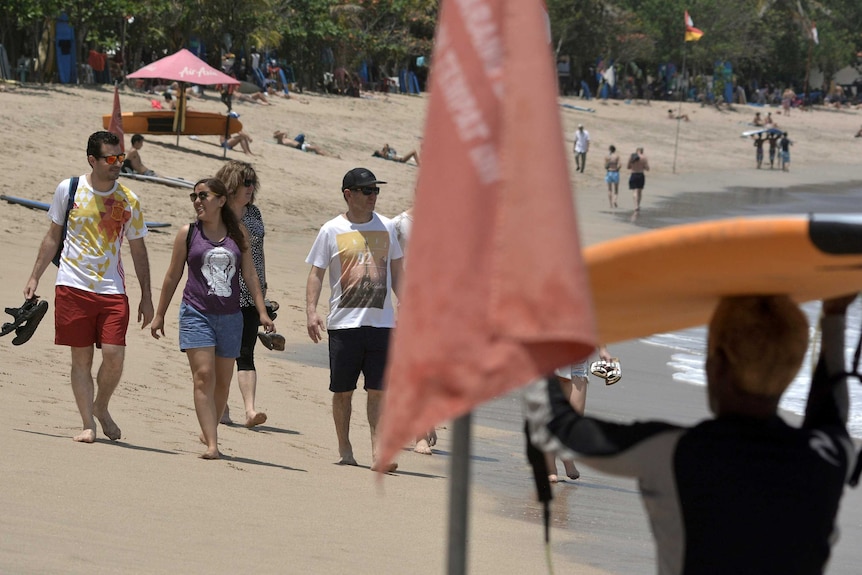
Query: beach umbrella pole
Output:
(459,491)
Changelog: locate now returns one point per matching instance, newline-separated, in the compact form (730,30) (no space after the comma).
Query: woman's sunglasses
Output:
(113,159)
(202,196)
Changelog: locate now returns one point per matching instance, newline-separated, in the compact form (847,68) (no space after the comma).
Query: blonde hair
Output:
(763,340)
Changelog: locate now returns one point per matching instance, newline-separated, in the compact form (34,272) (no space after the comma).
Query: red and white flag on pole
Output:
(495,292)
(814,33)
(116,125)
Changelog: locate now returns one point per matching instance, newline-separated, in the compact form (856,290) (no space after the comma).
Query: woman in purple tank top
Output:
(216,249)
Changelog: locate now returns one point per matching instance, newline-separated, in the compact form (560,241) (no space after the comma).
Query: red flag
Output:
(116,125)
(692,34)
(495,294)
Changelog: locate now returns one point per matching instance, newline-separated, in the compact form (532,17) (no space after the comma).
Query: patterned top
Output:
(254,224)
(98,223)
(214,271)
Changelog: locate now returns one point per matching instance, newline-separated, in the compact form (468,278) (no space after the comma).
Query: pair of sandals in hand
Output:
(610,371)
(271,341)
(25,319)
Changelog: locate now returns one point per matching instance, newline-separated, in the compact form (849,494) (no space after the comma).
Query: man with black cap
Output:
(743,492)
(363,256)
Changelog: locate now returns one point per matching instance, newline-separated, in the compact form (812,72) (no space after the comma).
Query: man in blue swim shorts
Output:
(612,176)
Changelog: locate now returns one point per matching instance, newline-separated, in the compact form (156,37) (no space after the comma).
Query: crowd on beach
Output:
(224,312)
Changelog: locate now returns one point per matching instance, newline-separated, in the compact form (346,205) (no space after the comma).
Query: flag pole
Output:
(459,495)
(679,107)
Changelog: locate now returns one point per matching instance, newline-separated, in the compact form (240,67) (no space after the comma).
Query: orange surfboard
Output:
(672,278)
(162,122)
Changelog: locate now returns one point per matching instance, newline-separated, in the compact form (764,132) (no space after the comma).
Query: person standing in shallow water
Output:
(215,247)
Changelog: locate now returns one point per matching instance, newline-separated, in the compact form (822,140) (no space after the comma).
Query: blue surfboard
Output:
(67,66)
(44,207)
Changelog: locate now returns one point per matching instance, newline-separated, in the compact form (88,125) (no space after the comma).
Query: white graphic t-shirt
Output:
(358,258)
(98,222)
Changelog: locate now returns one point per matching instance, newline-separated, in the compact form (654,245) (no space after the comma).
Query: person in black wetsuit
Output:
(743,492)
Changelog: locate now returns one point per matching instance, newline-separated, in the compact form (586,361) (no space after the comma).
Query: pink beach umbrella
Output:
(184,67)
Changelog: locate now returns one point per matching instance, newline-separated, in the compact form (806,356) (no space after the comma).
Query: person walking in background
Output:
(743,492)
(242,184)
(638,164)
(582,146)
(403,224)
(573,382)
(364,260)
(216,249)
(91,308)
(612,175)
(785,144)
(758,150)
(772,139)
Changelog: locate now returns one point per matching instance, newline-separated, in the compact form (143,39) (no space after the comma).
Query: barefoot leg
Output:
(202,363)
(108,378)
(342,407)
(247,380)
(82,388)
(375,399)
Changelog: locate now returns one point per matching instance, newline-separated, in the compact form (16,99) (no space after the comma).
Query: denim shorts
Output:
(573,371)
(222,331)
(612,177)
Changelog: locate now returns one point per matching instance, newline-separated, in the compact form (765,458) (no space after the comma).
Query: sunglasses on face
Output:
(368,190)
(113,159)
(250,182)
(202,196)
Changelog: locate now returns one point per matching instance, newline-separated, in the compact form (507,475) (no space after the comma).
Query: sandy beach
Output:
(277,502)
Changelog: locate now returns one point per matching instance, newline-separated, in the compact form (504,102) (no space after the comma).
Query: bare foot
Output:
(347,460)
(209,454)
(422,447)
(432,437)
(389,468)
(256,419)
(553,478)
(109,428)
(86,436)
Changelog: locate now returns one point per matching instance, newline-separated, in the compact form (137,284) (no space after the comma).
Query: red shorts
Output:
(83,318)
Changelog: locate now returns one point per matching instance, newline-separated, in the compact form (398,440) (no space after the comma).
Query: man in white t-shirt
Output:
(363,256)
(90,303)
(582,146)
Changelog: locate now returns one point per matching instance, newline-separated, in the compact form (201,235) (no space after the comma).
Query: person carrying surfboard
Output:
(638,164)
(743,492)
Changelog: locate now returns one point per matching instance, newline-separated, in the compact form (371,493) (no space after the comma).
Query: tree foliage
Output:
(766,40)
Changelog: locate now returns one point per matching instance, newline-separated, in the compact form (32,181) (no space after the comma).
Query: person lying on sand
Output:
(670,116)
(299,143)
(388,153)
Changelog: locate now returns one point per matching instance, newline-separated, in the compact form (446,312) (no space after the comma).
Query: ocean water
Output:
(688,353)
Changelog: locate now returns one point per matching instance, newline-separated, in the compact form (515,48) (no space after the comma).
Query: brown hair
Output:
(763,340)
(234,228)
(234,173)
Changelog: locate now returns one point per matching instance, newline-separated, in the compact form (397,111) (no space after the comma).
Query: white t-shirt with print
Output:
(358,258)
(98,223)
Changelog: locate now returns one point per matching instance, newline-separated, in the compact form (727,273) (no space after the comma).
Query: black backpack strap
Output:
(73,188)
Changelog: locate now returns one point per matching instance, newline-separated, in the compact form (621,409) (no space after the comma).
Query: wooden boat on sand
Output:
(162,122)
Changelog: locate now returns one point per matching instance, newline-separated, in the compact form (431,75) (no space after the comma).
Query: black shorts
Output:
(637,181)
(354,351)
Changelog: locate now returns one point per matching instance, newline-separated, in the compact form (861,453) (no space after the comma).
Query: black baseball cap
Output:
(358,178)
